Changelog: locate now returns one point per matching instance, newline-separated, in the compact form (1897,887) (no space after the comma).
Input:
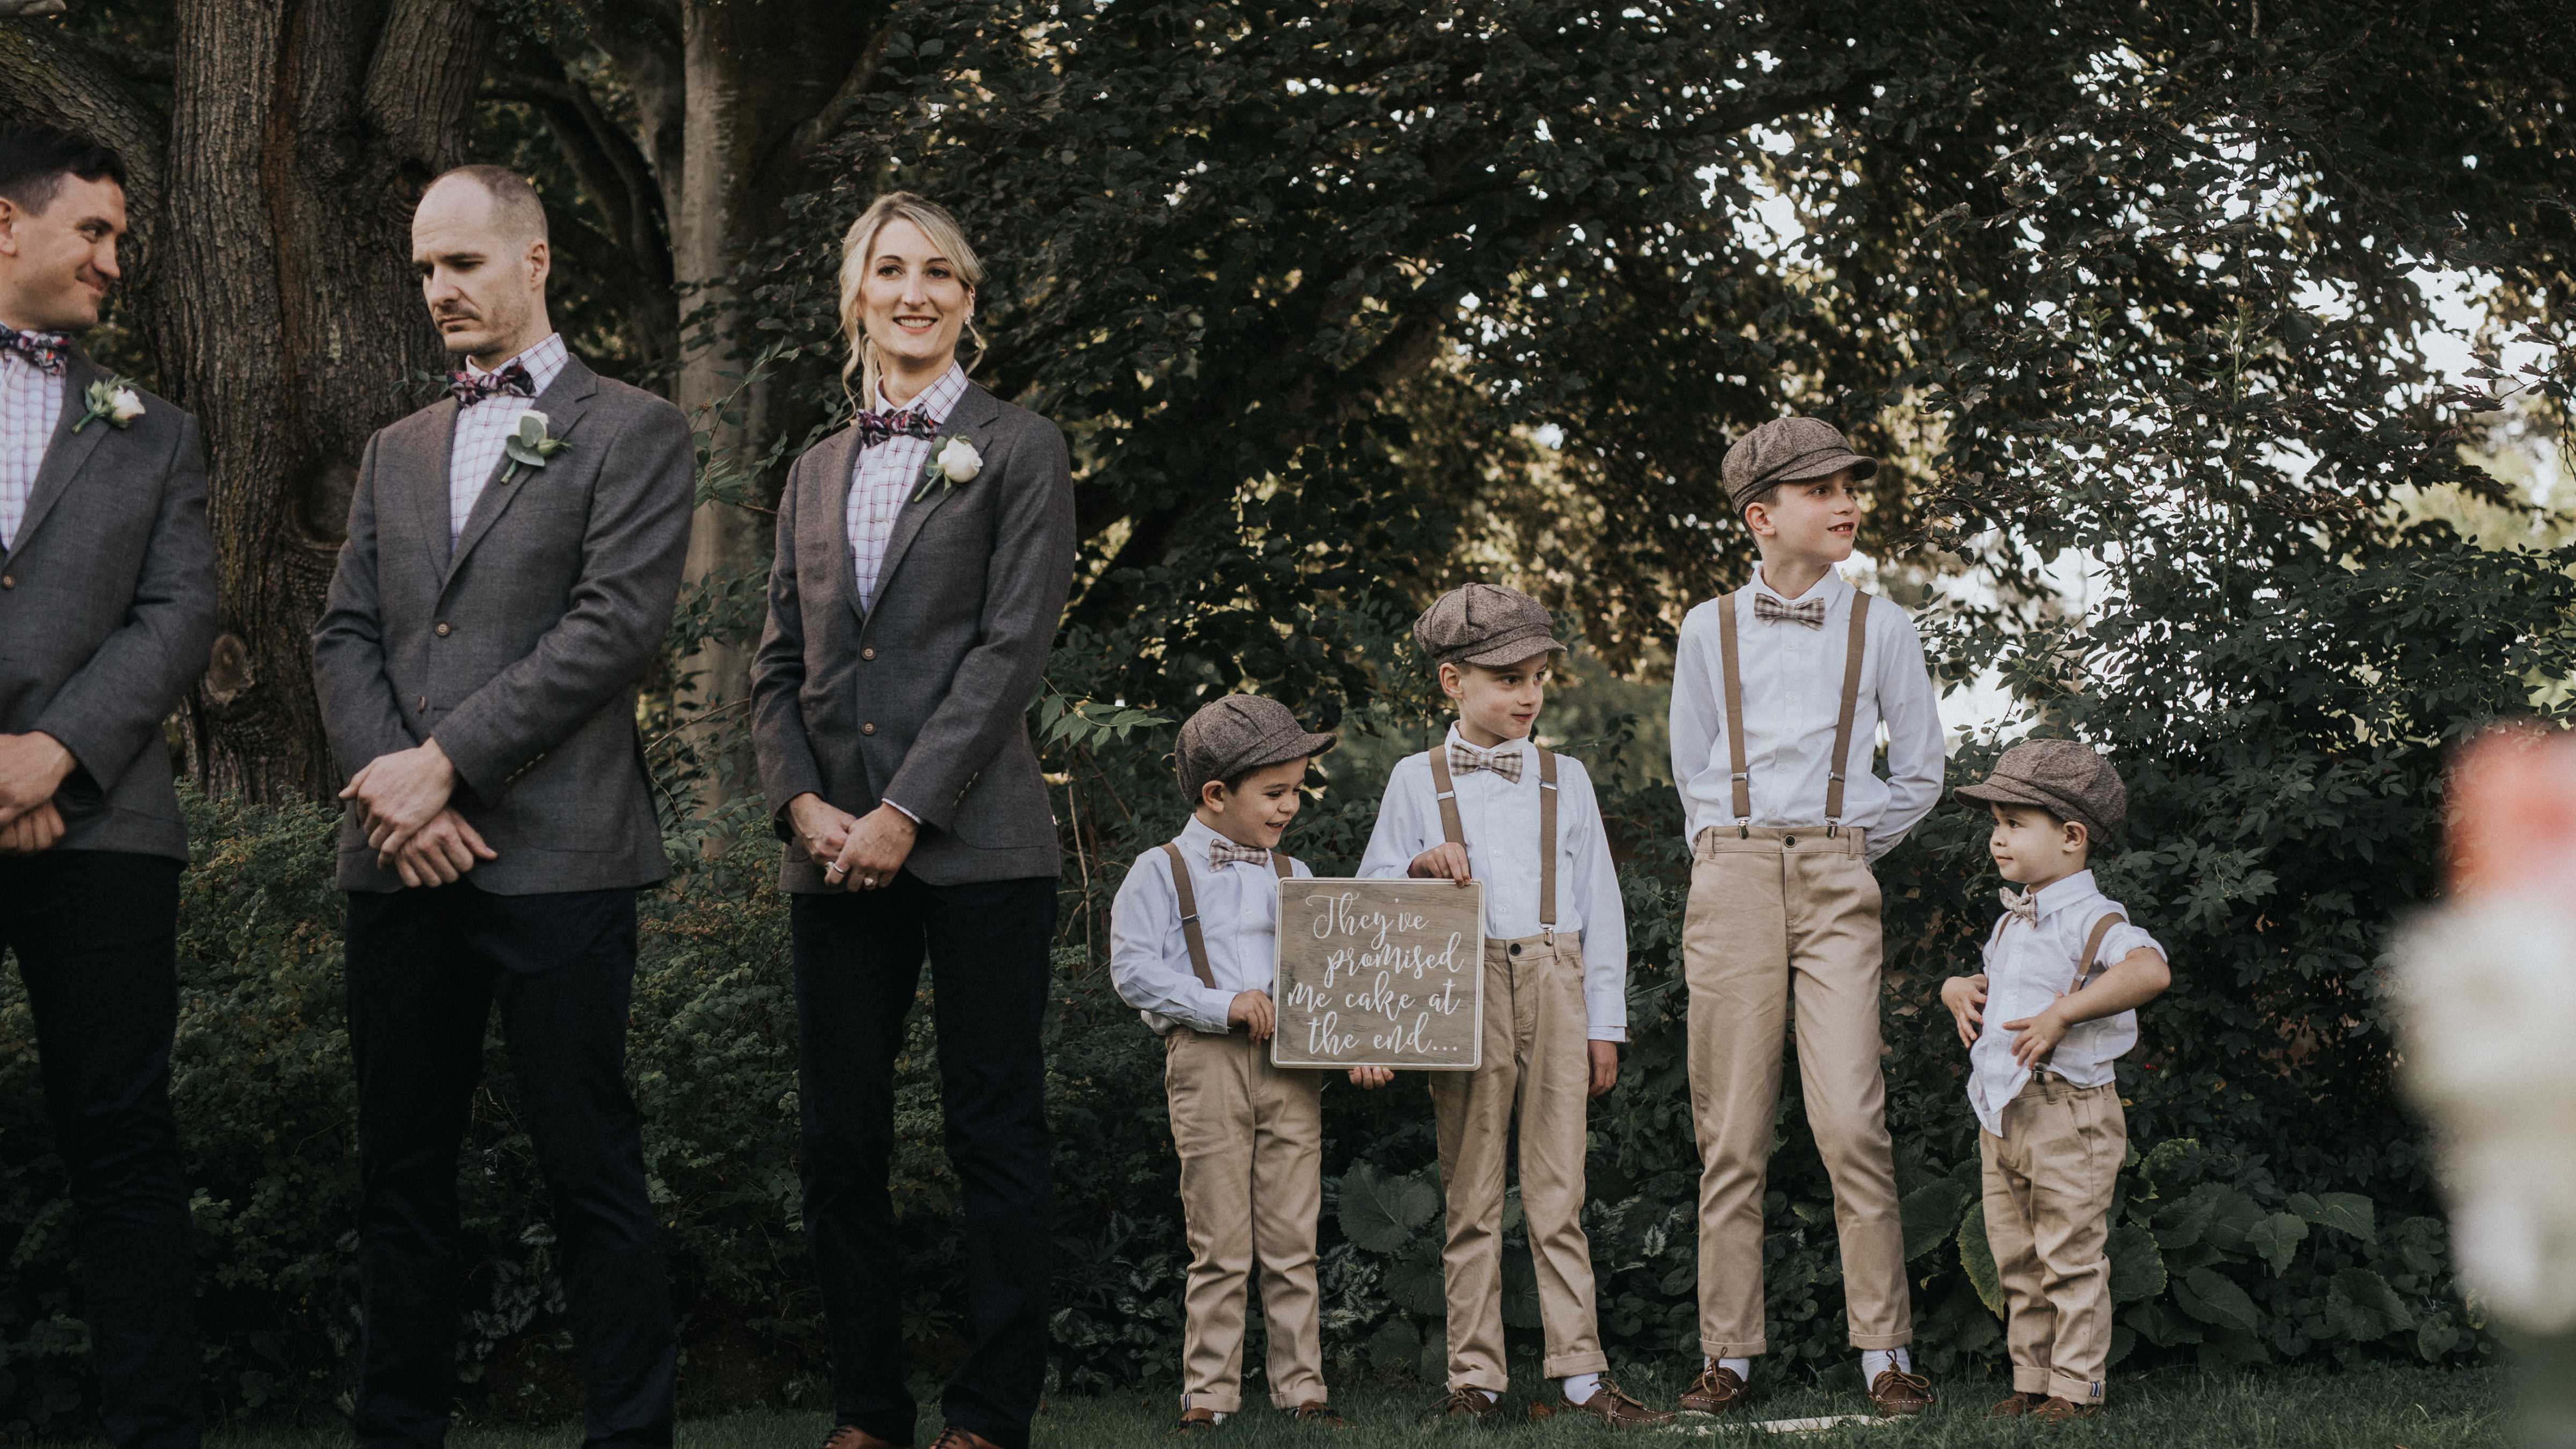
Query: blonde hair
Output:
(861,239)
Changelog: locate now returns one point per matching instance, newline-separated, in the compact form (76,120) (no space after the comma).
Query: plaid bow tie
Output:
(2020,905)
(1223,852)
(1810,612)
(1464,759)
(44,351)
(876,427)
(470,387)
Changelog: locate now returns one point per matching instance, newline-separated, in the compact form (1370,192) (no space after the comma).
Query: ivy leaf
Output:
(2276,1237)
(2211,1297)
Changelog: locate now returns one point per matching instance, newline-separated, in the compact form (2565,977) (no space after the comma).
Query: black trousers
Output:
(858,963)
(426,968)
(97,938)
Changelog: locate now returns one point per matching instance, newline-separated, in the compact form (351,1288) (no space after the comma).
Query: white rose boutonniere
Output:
(112,399)
(529,445)
(953,462)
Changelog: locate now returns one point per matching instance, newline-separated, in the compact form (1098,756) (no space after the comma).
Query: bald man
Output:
(514,553)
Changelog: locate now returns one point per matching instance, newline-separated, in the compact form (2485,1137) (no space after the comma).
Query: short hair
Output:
(35,159)
(514,202)
(1768,494)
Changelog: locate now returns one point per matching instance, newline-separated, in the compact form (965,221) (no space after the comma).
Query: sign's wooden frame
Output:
(1390,892)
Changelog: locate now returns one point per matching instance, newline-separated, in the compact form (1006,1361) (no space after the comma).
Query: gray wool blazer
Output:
(924,699)
(107,611)
(520,649)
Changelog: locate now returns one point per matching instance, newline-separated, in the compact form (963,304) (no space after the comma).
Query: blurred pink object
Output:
(2512,815)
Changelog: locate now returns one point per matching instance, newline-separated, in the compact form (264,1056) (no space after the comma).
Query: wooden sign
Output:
(1380,973)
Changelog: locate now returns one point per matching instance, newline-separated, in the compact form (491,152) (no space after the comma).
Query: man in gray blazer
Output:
(514,553)
(107,611)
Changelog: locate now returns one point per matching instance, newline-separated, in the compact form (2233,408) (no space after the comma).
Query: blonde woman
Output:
(924,554)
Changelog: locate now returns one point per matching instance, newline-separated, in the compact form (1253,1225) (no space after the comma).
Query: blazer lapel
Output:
(838,453)
(430,466)
(972,419)
(563,402)
(66,450)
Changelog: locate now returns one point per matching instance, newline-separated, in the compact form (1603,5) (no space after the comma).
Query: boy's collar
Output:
(1829,588)
(2057,895)
(1199,832)
(1459,737)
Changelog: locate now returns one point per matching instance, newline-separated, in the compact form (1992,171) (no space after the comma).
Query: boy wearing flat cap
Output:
(1780,690)
(1489,805)
(2066,971)
(1190,947)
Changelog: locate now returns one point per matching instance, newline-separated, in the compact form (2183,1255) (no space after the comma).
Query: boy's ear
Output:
(1453,680)
(1212,794)
(1757,520)
(2079,836)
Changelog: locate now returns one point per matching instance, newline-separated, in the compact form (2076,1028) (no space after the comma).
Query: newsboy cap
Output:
(2067,778)
(1788,450)
(1237,733)
(1485,624)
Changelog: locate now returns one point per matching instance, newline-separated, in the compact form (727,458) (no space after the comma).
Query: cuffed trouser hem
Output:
(2074,1391)
(1298,1401)
(1212,1400)
(1734,1347)
(1882,1340)
(1491,1383)
(1571,1364)
(2028,1380)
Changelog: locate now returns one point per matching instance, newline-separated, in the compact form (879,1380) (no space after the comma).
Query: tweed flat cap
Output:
(1237,733)
(1485,624)
(2067,778)
(1788,450)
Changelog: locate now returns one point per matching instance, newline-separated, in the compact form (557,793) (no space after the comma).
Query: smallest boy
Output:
(2055,1007)
(1190,948)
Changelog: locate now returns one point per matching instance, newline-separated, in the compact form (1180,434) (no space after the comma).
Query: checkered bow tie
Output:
(470,387)
(876,427)
(45,351)
(1222,853)
(1464,759)
(2022,906)
(1810,612)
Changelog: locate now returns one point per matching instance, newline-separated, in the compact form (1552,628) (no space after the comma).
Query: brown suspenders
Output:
(1852,649)
(2093,948)
(1453,830)
(1189,898)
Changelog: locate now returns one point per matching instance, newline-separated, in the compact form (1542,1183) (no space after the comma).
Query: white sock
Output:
(1221,1418)
(1492,1396)
(1579,1388)
(1876,1361)
(1742,1367)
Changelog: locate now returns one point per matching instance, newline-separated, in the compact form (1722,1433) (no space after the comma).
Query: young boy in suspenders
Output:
(2055,1007)
(1191,948)
(1489,805)
(1779,692)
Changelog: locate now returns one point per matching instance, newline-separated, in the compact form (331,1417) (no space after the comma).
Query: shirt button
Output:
(868,653)
(869,728)
(442,631)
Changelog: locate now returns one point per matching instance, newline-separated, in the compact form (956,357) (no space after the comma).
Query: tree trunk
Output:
(278,301)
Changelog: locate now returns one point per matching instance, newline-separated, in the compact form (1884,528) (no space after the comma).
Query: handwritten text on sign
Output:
(1380,973)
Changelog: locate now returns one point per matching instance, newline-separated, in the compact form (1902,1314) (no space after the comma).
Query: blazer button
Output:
(442,630)
(868,653)
(8,581)
(869,728)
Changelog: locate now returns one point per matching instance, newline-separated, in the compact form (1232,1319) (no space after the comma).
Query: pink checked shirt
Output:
(883,478)
(475,456)
(31,403)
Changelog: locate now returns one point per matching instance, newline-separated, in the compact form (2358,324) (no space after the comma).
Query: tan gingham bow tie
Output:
(1223,852)
(2020,905)
(1464,759)
(1810,612)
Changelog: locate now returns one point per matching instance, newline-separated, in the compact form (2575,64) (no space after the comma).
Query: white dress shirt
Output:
(1149,957)
(31,406)
(1500,819)
(474,457)
(884,478)
(1793,689)
(2027,967)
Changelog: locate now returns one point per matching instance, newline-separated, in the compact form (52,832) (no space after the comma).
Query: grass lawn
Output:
(2383,1409)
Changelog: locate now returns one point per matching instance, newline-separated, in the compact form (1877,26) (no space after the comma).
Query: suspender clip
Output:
(1833,828)
(1744,830)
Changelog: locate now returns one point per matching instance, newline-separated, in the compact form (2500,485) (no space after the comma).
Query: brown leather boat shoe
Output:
(2016,1406)
(1897,1394)
(2063,1411)
(1610,1404)
(851,1436)
(1319,1414)
(953,1437)
(1717,1390)
(1463,1409)
(1193,1421)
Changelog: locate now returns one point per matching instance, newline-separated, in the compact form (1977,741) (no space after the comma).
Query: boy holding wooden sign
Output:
(1490,805)
(1191,944)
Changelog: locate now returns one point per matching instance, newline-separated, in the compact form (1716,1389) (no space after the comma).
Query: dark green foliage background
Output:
(1344,303)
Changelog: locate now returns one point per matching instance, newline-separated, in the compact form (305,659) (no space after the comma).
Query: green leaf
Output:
(2160,1325)
(1931,1214)
(2276,1237)
(1979,1260)
(2213,1298)
(2437,1337)
(2347,1212)
(2137,1268)
(1394,1347)
(1415,1283)
(1378,1212)
(2362,1307)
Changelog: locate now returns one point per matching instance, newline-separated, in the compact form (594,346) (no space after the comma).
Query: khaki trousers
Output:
(1538,1067)
(2048,1182)
(1251,1141)
(1771,912)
